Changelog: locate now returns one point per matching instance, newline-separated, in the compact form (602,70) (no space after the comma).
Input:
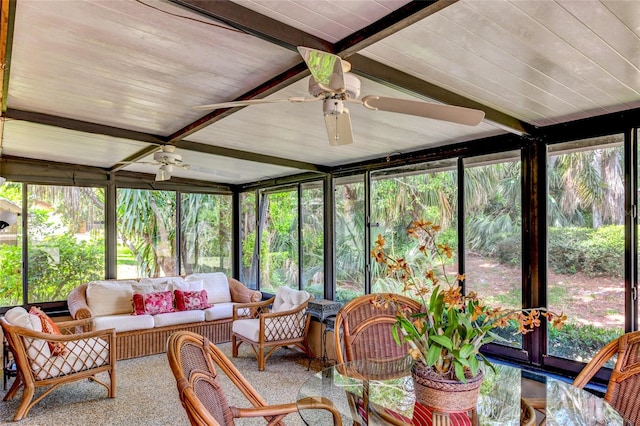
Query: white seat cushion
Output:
(219,311)
(110,297)
(216,284)
(180,317)
(83,355)
(287,299)
(123,322)
(249,328)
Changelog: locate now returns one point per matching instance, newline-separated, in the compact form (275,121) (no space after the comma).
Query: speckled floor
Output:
(146,393)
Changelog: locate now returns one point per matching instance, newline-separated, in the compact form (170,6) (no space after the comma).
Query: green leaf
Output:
(442,341)
(466,351)
(459,369)
(433,354)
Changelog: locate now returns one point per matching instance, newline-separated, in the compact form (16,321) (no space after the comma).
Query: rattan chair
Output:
(623,389)
(193,360)
(280,321)
(363,331)
(84,356)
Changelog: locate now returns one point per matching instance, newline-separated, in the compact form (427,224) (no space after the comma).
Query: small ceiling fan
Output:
(167,159)
(332,83)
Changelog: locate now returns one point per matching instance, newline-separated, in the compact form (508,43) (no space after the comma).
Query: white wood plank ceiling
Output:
(103,83)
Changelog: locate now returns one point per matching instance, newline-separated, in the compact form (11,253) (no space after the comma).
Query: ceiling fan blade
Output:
(455,114)
(234,104)
(326,68)
(339,128)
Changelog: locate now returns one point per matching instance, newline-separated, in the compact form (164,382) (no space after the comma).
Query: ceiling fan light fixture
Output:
(164,172)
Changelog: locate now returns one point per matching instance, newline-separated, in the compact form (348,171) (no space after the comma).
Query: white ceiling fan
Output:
(167,159)
(332,83)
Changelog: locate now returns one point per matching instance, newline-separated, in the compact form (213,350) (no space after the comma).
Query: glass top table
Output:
(389,387)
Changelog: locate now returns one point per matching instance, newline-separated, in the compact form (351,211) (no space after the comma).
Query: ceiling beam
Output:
(254,23)
(407,83)
(7,21)
(279,82)
(249,156)
(83,126)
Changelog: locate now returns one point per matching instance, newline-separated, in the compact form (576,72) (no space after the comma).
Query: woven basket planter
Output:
(442,394)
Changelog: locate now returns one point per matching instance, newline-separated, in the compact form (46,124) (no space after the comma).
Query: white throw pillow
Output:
(110,297)
(37,349)
(216,284)
(287,299)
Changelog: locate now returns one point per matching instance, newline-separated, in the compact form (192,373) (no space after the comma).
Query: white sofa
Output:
(110,304)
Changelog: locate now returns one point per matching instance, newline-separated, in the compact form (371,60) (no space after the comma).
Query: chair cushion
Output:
(84,354)
(190,300)
(287,299)
(109,297)
(216,284)
(153,303)
(37,349)
(48,326)
(124,322)
(249,328)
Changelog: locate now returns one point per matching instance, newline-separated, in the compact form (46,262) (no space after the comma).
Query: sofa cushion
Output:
(190,300)
(109,297)
(153,303)
(48,326)
(37,349)
(216,284)
(193,285)
(123,322)
(219,311)
(175,318)
(287,299)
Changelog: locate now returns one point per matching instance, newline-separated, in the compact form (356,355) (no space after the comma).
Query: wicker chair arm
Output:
(595,364)
(25,332)
(77,303)
(75,326)
(254,307)
(241,293)
(280,410)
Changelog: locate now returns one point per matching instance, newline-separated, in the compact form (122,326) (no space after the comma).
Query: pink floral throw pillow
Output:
(153,303)
(191,300)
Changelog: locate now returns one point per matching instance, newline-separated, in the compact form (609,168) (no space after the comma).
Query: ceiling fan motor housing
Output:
(351,87)
(167,157)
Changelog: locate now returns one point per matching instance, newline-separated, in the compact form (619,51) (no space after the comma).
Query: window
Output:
(493,232)
(401,196)
(206,233)
(248,224)
(11,246)
(349,240)
(312,238)
(65,240)
(279,240)
(585,266)
(146,233)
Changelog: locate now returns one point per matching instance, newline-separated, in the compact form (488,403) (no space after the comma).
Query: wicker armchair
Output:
(363,331)
(193,358)
(622,389)
(286,323)
(83,356)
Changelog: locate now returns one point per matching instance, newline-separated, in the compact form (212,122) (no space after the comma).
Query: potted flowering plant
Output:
(447,336)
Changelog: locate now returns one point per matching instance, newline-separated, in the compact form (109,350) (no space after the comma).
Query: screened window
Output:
(279,240)
(146,233)
(349,242)
(493,233)
(11,246)
(206,233)
(586,217)
(312,238)
(65,240)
